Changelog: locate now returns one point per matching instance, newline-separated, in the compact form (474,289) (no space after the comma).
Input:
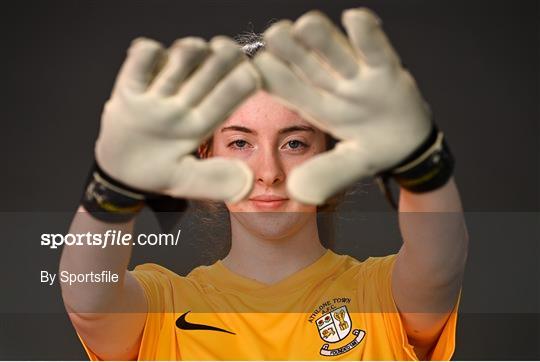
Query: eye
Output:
(238,144)
(295,145)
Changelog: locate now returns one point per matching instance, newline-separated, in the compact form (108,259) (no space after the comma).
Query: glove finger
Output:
(214,178)
(363,28)
(138,69)
(225,55)
(328,173)
(280,42)
(317,106)
(226,96)
(184,56)
(317,32)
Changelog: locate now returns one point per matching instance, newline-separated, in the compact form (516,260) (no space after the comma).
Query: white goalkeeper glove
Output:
(353,88)
(164,104)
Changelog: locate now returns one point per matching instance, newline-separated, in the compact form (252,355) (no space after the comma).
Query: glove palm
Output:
(353,88)
(158,114)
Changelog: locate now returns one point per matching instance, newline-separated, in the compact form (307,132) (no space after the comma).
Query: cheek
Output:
(317,146)
(237,207)
(303,208)
(216,148)
(220,149)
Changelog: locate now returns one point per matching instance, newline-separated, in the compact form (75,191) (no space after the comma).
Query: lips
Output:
(268,202)
(268,198)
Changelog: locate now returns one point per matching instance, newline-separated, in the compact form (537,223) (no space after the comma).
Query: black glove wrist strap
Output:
(112,201)
(428,168)
(109,200)
(428,172)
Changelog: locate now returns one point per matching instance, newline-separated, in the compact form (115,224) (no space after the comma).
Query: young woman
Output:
(278,294)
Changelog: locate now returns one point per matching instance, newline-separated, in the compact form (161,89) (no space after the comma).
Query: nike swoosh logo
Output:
(183,324)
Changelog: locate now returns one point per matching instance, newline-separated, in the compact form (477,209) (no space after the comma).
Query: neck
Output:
(271,259)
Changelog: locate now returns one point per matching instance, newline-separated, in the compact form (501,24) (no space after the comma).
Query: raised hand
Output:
(352,87)
(164,103)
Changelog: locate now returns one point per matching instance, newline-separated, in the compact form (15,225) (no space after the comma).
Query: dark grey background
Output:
(476,63)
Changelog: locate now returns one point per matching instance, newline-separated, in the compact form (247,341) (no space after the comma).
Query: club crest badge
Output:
(334,327)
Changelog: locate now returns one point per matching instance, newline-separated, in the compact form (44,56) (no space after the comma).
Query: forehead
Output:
(262,112)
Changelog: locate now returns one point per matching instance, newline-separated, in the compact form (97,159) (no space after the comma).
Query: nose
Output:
(268,167)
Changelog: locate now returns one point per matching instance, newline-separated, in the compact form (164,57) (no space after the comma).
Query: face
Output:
(272,140)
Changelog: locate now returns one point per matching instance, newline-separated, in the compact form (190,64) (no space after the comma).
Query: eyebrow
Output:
(238,128)
(281,131)
(297,128)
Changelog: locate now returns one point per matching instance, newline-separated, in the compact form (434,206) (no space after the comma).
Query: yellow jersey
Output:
(337,308)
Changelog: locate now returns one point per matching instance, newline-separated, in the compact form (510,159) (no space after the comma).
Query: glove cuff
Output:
(428,168)
(109,200)
(112,201)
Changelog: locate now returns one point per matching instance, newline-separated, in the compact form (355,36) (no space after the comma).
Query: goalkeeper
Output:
(262,128)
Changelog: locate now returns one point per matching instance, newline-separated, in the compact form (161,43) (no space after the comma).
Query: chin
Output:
(272,221)
(272,225)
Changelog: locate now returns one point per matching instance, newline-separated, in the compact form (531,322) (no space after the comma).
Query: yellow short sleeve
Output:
(378,289)
(159,296)
(158,337)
